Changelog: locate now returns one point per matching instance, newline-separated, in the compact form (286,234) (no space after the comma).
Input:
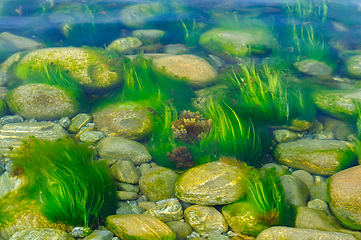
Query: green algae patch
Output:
(139,227)
(85,66)
(62,181)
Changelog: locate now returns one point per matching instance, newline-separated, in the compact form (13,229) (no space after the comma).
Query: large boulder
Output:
(85,66)
(214,183)
(344,196)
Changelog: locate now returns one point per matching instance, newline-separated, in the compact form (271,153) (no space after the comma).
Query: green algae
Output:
(63,181)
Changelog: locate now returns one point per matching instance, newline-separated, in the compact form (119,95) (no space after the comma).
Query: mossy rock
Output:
(42,102)
(139,227)
(322,157)
(338,103)
(85,66)
(132,120)
(236,43)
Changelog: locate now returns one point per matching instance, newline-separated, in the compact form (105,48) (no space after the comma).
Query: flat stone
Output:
(79,121)
(41,234)
(130,209)
(205,220)
(124,195)
(197,71)
(170,211)
(313,67)
(322,157)
(276,233)
(139,226)
(123,149)
(307,218)
(214,183)
(127,187)
(12,134)
(100,235)
(305,177)
(284,135)
(344,197)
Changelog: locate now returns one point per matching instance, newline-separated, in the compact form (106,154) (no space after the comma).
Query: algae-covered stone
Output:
(158,183)
(236,43)
(340,104)
(124,44)
(181,229)
(100,235)
(138,227)
(141,15)
(148,36)
(85,66)
(42,102)
(205,220)
(322,157)
(353,66)
(41,234)
(12,134)
(125,171)
(243,218)
(195,70)
(277,233)
(124,149)
(344,197)
(308,218)
(214,183)
(131,120)
(169,211)
(313,67)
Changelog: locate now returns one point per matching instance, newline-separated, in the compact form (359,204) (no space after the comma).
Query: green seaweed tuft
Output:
(64,181)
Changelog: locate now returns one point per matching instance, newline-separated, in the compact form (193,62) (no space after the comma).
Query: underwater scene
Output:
(180,119)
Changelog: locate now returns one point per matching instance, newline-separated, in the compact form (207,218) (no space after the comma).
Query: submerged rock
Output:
(214,183)
(41,234)
(344,197)
(138,226)
(141,15)
(131,120)
(205,220)
(124,44)
(85,66)
(322,157)
(148,36)
(236,43)
(42,102)
(10,43)
(196,71)
(313,67)
(123,149)
(276,233)
(338,103)
(158,183)
(12,134)
(353,66)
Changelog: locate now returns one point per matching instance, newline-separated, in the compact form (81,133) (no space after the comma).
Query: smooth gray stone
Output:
(124,149)
(125,171)
(41,234)
(12,134)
